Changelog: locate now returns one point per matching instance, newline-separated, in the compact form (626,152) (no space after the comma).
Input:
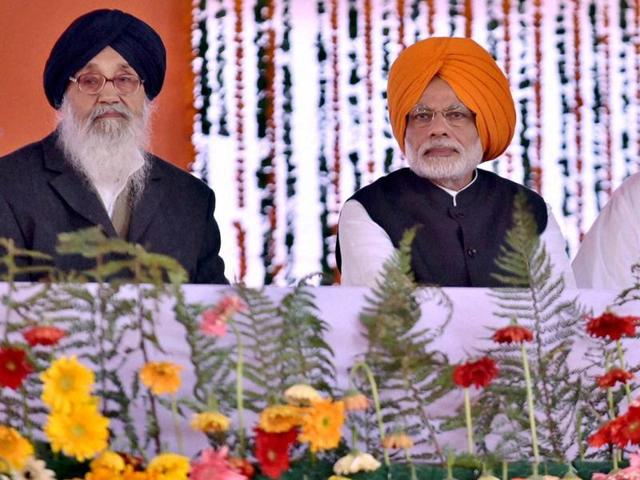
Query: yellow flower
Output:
(106,465)
(169,466)
(66,382)
(301,394)
(279,418)
(338,477)
(321,425)
(210,422)
(354,463)
(131,474)
(14,448)
(397,441)
(161,377)
(81,433)
(355,401)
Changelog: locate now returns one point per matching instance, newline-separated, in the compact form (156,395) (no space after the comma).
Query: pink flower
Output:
(214,464)
(214,319)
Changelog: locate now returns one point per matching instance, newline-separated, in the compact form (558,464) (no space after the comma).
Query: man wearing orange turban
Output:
(450,108)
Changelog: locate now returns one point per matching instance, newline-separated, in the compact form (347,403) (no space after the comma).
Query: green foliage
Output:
(536,301)
(408,372)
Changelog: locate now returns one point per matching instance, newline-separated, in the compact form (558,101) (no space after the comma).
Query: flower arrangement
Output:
(262,397)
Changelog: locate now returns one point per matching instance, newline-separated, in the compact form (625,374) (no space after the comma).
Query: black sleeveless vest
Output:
(454,246)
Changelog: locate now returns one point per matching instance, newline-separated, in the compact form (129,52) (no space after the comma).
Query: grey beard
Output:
(441,168)
(108,153)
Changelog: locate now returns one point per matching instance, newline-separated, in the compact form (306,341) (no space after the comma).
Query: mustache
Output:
(439,143)
(115,108)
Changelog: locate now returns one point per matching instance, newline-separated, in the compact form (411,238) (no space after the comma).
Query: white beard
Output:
(448,167)
(108,152)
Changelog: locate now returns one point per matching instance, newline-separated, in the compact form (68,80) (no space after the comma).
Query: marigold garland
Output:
(431,15)
(468,18)
(577,110)
(400,5)
(536,168)
(506,18)
(368,49)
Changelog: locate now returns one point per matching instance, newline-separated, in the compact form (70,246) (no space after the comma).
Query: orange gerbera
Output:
(161,377)
(321,425)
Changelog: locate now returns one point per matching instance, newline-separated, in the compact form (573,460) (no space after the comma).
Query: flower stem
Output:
(376,403)
(412,467)
(621,360)
(239,391)
(532,416)
(176,423)
(467,414)
(612,412)
(25,413)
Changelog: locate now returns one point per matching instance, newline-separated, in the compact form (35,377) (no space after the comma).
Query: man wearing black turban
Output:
(93,170)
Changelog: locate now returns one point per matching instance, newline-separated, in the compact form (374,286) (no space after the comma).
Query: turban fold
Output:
(88,35)
(473,75)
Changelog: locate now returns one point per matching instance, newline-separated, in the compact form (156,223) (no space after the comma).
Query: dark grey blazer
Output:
(41,195)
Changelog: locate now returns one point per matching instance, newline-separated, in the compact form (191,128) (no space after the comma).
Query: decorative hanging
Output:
(536,168)
(577,110)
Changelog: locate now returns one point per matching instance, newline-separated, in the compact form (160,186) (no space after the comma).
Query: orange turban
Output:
(472,74)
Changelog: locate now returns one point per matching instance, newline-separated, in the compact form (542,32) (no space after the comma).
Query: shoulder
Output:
(392,180)
(178,178)
(24,156)
(507,185)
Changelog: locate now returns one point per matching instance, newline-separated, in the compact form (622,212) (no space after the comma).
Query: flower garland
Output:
(506,19)
(368,46)
(353,94)
(335,109)
(221,64)
(453,13)
(401,27)
(386,65)
(431,14)
(636,26)
(563,159)
(578,104)
(287,109)
(525,83)
(267,179)
(536,169)
(607,104)
(468,18)
(202,91)
(623,71)
(323,168)
(238,7)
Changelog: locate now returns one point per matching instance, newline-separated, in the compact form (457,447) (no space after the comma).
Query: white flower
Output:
(34,470)
(301,394)
(354,463)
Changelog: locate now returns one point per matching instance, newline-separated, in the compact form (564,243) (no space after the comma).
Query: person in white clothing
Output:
(612,246)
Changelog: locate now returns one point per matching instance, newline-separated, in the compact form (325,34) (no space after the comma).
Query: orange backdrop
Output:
(30,28)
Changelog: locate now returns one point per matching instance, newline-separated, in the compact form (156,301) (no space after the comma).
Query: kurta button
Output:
(471,252)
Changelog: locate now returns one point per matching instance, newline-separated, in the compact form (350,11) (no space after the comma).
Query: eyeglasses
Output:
(93,83)
(454,116)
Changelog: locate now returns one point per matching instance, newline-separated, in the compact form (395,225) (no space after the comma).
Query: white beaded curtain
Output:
(292,114)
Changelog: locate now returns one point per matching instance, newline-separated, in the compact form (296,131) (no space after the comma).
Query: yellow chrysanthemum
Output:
(106,465)
(65,383)
(169,466)
(301,394)
(210,422)
(81,433)
(14,448)
(161,377)
(355,402)
(321,425)
(280,418)
(397,440)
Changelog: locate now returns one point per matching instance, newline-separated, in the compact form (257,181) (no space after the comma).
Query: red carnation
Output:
(513,334)
(613,376)
(609,325)
(14,367)
(479,373)
(272,451)
(43,335)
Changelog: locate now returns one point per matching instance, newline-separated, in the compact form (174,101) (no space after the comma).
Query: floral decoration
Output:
(14,367)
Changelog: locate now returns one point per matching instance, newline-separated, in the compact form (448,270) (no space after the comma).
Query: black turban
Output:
(88,35)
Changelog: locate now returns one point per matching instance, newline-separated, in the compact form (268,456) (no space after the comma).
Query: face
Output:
(442,146)
(108,106)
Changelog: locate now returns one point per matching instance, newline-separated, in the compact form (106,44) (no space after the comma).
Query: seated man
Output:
(450,109)
(93,170)
(612,245)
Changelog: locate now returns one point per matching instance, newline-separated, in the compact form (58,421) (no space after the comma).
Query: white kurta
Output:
(612,245)
(364,245)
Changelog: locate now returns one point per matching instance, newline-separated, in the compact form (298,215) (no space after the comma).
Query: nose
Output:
(109,93)
(438,126)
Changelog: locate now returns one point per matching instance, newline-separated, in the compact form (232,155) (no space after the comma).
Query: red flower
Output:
(479,373)
(43,335)
(601,437)
(513,334)
(613,376)
(628,430)
(14,367)
(612,326)
(272,451)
